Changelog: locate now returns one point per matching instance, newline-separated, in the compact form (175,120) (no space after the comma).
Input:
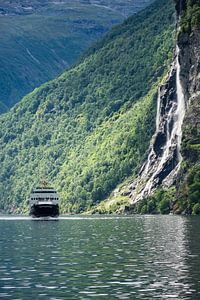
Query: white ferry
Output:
(44,202)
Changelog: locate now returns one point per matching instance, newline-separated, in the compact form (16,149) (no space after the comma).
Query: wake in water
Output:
(164,159)
(64,217)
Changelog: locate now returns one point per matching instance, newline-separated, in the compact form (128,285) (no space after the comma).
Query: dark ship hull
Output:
(44,210)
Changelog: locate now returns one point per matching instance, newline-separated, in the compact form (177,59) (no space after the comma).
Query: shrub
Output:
(164,206)
(196,209)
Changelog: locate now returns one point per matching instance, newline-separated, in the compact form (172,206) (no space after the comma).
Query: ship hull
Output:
(47,210)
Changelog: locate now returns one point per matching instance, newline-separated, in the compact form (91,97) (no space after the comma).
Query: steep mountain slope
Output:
(189,43)
(89,129)
(39,39)
(169,179)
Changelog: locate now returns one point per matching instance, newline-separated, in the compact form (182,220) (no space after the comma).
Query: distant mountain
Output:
(40,38)
(22,7)
(89,129)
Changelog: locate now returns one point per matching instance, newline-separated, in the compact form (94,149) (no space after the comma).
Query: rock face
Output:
(164,158)
(177,136)
(190,62)
(188,196)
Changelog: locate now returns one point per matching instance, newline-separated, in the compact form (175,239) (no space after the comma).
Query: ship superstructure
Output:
(44,202)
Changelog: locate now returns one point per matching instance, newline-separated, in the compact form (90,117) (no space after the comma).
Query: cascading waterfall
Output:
(158,111)
(147,164)
(164,159)
(181,105)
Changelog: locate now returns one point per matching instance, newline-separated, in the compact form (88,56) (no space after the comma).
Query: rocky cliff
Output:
(189,43)
(163,162)
(173,157)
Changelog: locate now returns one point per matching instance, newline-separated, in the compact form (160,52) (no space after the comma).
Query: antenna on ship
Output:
(44,183)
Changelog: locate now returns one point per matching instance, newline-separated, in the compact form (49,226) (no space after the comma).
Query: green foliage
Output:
(110,206)
(189,197)
(160,202)
(193,183)
(191,139)
(38,44)
(189,194)
(191,16)
(164,206)
(89,129)
(196,209)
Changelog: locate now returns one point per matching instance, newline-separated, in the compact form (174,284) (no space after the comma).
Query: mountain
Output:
(40,39)
(189,43)
(27,7)
(89,129)
(169,179)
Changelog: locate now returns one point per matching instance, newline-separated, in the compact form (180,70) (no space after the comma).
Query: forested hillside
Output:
(189,41)
(40,39)
(179,192)
(88,130)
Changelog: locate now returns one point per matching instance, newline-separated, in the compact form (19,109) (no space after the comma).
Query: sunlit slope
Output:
(89,129)
(39,39)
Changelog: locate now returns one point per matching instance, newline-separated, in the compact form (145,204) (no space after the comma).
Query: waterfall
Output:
(162,165)
(158,112)
(181,105)
(147,164)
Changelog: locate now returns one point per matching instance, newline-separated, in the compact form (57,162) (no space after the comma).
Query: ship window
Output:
(44,192)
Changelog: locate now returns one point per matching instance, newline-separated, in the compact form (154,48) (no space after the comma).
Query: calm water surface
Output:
(142,257)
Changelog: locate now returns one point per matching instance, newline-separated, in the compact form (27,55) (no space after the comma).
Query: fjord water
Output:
(139,257)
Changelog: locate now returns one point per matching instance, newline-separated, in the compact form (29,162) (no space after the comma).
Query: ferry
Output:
(44,202)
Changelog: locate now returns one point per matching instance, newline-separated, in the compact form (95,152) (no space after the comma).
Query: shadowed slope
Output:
(89,129)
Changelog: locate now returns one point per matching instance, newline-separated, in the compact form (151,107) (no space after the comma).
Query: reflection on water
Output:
(152,257)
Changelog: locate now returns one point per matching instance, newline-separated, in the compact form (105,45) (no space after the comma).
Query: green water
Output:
(142,257)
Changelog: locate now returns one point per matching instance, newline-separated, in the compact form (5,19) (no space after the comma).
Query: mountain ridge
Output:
(89,114)
(29,7)
(38,44)
(179,192)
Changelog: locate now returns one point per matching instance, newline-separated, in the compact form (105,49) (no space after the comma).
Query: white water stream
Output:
(155,165)
(181,105)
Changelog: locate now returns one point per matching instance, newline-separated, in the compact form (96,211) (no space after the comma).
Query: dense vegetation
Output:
(185,197)
(39,39)
(190,18)
(161,202)
(88,130)
(188,187)
(189,191)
